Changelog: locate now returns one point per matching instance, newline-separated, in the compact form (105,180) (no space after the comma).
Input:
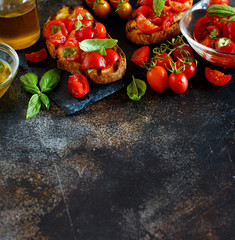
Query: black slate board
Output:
(61,96)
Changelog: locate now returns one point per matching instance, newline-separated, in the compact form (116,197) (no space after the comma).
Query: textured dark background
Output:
(161,168)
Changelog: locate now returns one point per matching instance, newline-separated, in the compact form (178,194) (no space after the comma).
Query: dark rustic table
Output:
(161,168)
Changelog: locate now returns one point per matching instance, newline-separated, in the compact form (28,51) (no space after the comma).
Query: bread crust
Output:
(138,37)
(98,76)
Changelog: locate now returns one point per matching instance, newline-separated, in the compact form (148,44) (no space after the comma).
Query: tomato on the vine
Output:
(180,54)
(125,10)
(166,63)
(157,78)
(178,82)
(141,56)
(78,85)
(38,56)
(103,9)
(189,68)
(216,77)
(145,25)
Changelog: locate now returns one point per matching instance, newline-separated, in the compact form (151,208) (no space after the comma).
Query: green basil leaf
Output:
(158,6)
(90,70)
(213,34)
(223,42)
(69,51)
(29,82)
(2,67)
(79,17)
(34,106)
(78,25)
(231,19)
(220,10)
(136,89)
(50,80)
(94,45)
(88,16)
(102,51)
(55,29)
(45,99)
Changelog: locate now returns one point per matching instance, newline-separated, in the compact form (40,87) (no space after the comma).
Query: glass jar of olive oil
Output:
(19,23)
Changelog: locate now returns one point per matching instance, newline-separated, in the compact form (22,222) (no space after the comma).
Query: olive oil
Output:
(19,23)
(5,71)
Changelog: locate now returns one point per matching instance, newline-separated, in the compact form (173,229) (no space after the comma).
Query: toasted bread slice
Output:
(98,76)
(135,35)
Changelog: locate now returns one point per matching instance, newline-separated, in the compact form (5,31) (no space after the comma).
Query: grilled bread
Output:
(166,30)
(56,44)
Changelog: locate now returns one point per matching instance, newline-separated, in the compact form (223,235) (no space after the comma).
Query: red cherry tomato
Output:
(86,22)
(111,57)
(101,30)
(178,82)
(200,28)
(90,3)
(83,12)
(48,30)
(163,63)
(141,56)
(225,45)
(216,77)
(73,45)
(153,17)
(125,10)
(103,9)
(143,10)
(167,22)
(69,24)
(211,2)
(208,42)
(189,68)
(145,25)
(78,85)
(146,2)
(58,38)
(177,6)
(158,79)
(228,30)
(178,53)
(37,56)
(85,33)
(114,3)
(93,60)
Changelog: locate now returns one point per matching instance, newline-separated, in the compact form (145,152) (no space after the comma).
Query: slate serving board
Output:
(61,96)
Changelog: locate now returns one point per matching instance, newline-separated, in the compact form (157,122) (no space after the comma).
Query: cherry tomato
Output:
(216,77)
(58,38)
(146,2)
(103,9)
(208,42)
(69,24)
(143,9)
(48,30)
(177,6)
(163,63)
(90,3)
(101,30)
(178,82)
(211,2)
(111,57)
(189,68)
(200,28)
(145,25)
(141,56)
(83,12)
(78,85)
(86,22)
(125,11)
(225,45)
(73,45)
(37,56)
(114,3)
(178,53)
(228,30)
(85,33)
(153,16)
(93,60)
(158,79)
(167,22)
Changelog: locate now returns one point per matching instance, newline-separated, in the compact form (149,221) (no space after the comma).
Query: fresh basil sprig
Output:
(47,83)
(97,45)
(221,10)
(136,89)
(158,6)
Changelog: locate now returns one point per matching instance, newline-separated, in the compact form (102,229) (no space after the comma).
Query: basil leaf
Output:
(90,70)
(158,6)
(55,29)
(50,80)
(45,99)
(29,82)
(88,16)
(69,51)
(231,19)
(95,44)
(220,10)
(223,42)
(102,51)
(2,67)
(136,89)
(34,106)
(78,25)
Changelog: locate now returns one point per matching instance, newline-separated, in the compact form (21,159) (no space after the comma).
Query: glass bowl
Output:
(8,57)
(187,24)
